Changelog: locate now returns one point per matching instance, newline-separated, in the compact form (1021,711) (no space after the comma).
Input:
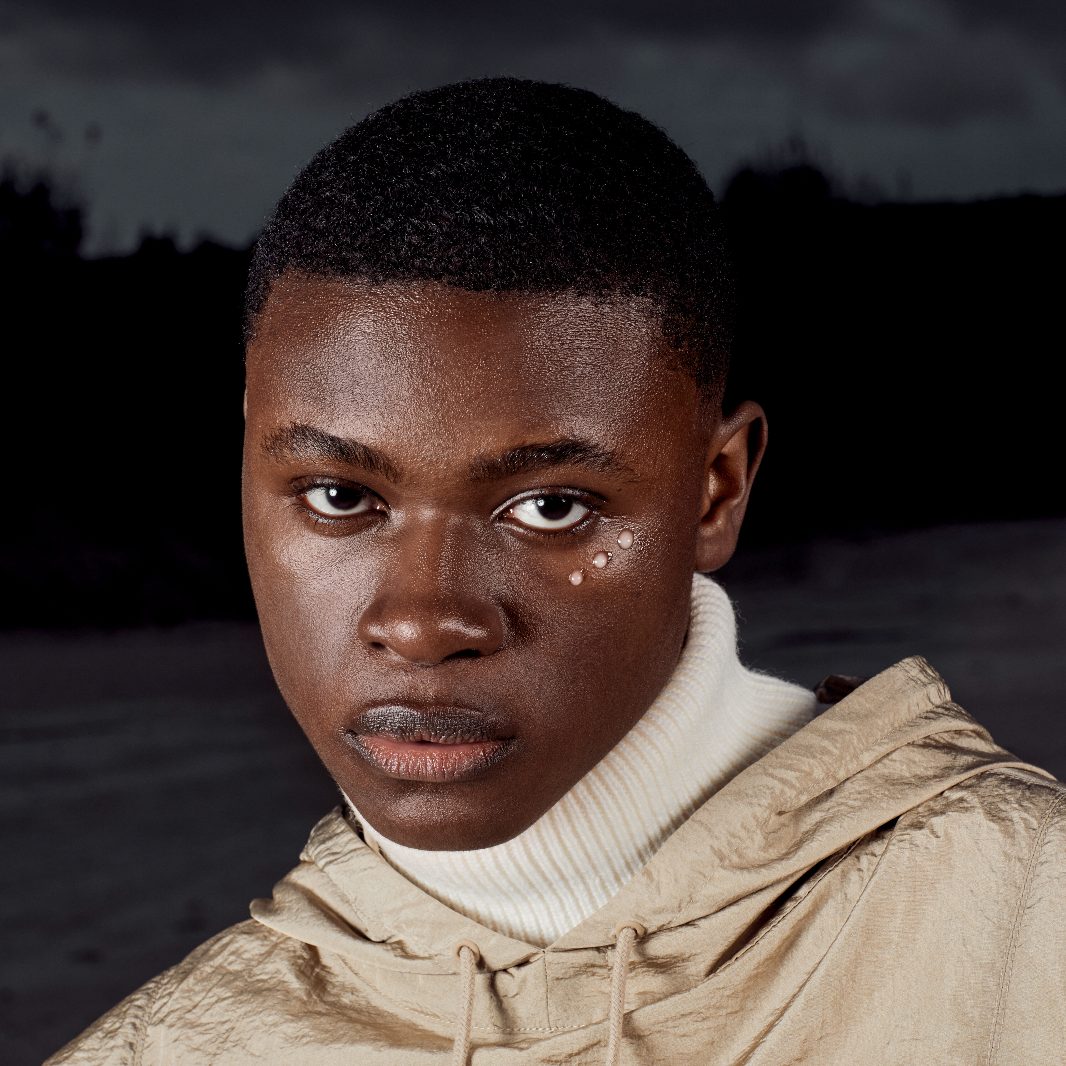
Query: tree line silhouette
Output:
(904,352)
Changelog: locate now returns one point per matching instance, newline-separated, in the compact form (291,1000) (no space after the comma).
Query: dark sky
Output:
(207,109)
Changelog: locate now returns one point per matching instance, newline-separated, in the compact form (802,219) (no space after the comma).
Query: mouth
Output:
(435,743)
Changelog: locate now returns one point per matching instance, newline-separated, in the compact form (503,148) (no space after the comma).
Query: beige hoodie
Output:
(885,886)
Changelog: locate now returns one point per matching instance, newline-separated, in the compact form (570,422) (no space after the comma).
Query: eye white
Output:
(542,512)
(335,501)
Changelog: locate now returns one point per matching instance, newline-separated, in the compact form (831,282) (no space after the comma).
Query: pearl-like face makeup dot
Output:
(625,538)
(577,577)
(600,559)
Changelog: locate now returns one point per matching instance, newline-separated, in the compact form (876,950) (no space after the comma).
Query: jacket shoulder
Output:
(1029,1024)
(984,863)
(122,1036)
(1002,808)
(117,1037)
(1028,786)
(978,836)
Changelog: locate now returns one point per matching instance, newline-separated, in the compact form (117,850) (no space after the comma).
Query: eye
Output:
(335,501)
(551,512)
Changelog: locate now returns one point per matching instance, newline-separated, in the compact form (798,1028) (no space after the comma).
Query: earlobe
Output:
(733,458)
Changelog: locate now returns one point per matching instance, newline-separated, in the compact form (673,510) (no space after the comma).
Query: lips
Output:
(429,743)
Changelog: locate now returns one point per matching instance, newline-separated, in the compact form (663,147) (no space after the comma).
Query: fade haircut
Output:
(513,186)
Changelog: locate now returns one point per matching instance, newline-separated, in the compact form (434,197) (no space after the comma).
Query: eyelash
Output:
(593,503)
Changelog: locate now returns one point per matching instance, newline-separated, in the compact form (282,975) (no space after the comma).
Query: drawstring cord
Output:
(469,954)
(625,936)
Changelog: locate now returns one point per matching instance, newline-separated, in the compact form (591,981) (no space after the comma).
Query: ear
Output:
(246,401)
(733,457)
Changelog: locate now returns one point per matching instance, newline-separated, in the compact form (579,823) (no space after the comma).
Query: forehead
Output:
(334,349)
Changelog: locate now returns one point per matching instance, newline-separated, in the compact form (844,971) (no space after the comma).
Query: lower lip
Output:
(422,761)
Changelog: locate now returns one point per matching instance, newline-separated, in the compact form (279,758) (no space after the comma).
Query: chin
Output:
(426,820)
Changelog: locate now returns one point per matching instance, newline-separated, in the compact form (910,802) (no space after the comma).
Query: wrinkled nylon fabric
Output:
(887,885)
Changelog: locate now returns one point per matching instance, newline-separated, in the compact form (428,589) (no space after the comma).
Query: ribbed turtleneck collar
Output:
(712,718)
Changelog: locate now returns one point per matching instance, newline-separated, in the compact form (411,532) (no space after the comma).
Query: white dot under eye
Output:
(550,512)
(335,501)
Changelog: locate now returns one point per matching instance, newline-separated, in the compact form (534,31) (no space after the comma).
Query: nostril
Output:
(423,633)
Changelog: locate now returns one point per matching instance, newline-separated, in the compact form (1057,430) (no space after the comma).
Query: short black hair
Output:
(513,185)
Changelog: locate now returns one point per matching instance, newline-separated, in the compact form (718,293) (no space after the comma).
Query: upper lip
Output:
(433,723)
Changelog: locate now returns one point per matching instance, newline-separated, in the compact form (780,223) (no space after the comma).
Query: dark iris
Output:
(554,507)
(342,498)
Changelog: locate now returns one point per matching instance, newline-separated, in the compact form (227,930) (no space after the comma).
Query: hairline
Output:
(711,393)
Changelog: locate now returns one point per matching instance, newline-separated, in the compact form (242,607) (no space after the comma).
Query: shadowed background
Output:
(892,175)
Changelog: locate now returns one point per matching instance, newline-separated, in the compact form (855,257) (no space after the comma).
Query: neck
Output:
(713,717)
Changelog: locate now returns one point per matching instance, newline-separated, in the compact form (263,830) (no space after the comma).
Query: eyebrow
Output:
(300,441)
(542,455)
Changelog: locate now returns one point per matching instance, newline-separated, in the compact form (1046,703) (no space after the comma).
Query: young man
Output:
(487,471)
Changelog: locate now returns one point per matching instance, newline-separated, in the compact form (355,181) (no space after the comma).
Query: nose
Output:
(431,603)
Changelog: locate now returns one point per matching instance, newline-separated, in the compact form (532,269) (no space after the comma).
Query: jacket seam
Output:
(843,925)
(748,947)
(547,997)
(429,1016)
(796,902)
(942,705)
(1015,935)
(714,975)
(149,1011)
(709,977)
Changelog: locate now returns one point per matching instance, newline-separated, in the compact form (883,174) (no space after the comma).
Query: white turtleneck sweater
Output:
(712,718)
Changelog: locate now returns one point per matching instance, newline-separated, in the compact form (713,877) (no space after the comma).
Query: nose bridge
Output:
(437,542)
(431,601)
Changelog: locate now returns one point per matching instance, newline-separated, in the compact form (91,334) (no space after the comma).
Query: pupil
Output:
(341,497)
(553,507)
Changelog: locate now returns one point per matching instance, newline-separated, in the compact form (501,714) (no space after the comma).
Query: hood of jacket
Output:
(892,743)
(886,885)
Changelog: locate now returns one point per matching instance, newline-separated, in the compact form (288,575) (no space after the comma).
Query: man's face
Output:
(432,479)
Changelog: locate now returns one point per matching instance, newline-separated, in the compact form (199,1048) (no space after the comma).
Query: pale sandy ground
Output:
(152,783)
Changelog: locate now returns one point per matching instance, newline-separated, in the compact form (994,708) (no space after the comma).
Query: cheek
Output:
(306,593)
(624,558)
(601,558)
(614,599)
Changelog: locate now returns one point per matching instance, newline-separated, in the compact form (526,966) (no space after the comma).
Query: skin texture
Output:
(434,587)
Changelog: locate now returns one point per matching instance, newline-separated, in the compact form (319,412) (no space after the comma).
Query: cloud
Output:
(921,71)
(920,62)
(209,108)
(196,41)
(217,43)
(1032,18)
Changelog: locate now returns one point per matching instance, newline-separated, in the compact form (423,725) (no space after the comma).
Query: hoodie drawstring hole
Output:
(626,935)
(469,956)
